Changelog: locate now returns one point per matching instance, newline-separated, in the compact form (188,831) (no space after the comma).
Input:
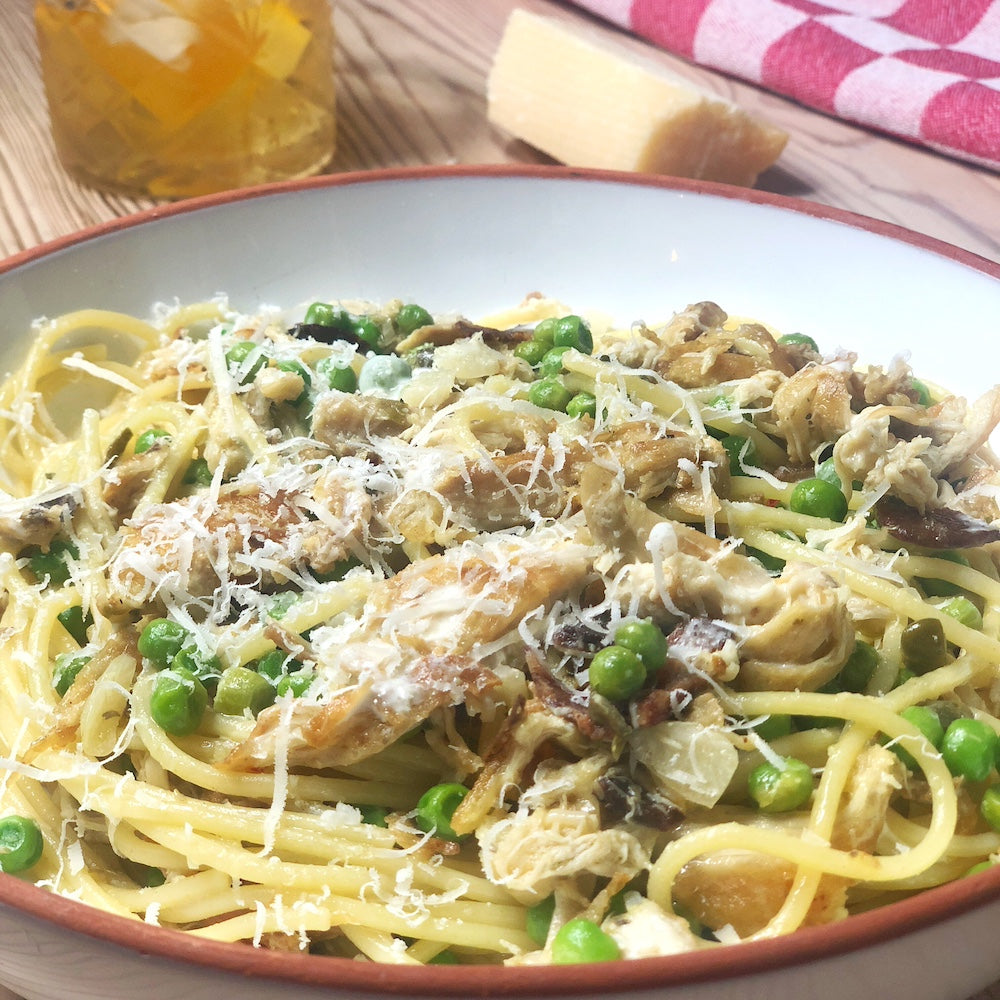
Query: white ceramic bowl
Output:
(475,240)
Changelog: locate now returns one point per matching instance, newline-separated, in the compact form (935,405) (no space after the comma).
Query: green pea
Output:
(721,402)
(923,646)
(552,362)
(412,317)
(295,684)
(178,701)
(799,340)
(245,359)
(20,843)
(374,815)
(616,673)
(339,571)
(582,404)
(545,332)
(241,688)
(818,498)
(76,622)
(929,724)
(774,727)
(804,722)
(161,640)
(780,789)
(573,331)
(337,376)
(944,588)
(54,563)
(153,877)
(947,712)
(616,905)
(921,392)
(384,373)
(963,611)
(296,368)
(550,393)
(538,920)
(969,749)
(198,473)
(277,663)
(281,603)
(65,671)
(981,866)
(148,438)
(989,807)
(741,451)
(859,668)
(437,806)
(697,927)
(206,667)
(531,351)
(827,471)
(581,940)
(773,564)
(325,314)
(341,324)
(646,640)
(421,357)
(366,329)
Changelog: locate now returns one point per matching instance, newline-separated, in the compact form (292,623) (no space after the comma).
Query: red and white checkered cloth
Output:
(925,70)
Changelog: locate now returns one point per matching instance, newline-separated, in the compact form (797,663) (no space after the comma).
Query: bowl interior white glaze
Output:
(474,241)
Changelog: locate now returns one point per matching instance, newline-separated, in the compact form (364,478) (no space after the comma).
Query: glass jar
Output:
(173,98)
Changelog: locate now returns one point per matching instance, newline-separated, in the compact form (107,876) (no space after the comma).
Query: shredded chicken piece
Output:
(126,481)
(798,636)
(690,323)
(723,355)
(745,889)
(434,612)
(65,722)
(889,387)
(350,423)
(31,522)
(366,719)
(526,728)
(440,334)
(645,346)
(188,546)
(979,496)
(533,477)
(794,630)
(908,449)
(618,521)
(644,930)
(812,408)
(556,834)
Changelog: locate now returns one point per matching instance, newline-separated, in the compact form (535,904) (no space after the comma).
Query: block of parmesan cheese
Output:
(588,102)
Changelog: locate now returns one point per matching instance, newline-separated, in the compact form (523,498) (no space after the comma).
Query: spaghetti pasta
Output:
(418,640)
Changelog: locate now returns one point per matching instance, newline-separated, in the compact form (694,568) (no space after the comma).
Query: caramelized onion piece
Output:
(937,528)
(623,799)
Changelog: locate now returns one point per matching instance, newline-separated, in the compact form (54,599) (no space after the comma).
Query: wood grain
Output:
(412,81)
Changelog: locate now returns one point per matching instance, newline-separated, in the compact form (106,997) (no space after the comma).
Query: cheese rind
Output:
(589,103)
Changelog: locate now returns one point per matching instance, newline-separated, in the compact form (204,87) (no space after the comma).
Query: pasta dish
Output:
(359,631)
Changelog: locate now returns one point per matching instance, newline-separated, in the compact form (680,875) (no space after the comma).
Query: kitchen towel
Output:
(924,70)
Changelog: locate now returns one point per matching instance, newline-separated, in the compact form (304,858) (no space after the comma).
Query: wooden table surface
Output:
(412,91)
(412,76)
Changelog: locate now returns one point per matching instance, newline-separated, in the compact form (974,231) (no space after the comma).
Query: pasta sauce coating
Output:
(408,638)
